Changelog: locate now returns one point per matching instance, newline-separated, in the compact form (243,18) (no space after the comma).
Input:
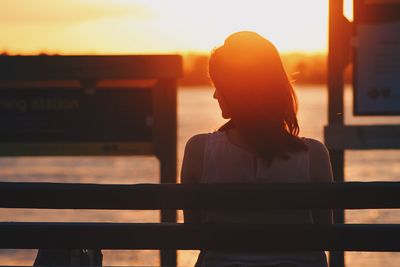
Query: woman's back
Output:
(225,162)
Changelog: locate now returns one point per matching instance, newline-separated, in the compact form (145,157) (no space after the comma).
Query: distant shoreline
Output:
(197,86)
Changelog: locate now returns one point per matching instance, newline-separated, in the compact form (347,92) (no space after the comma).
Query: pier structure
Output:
(371,44)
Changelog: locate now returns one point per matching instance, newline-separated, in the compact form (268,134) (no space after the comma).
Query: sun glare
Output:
(154,26)
(348,9)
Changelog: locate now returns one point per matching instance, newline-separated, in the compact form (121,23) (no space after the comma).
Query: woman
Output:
(259,144)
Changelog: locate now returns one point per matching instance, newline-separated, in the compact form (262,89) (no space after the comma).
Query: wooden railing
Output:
(234,236)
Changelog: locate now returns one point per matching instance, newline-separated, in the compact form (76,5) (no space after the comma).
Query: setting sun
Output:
(152,26)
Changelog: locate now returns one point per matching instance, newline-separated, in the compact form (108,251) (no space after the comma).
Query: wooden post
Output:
(336,63)
(165,135)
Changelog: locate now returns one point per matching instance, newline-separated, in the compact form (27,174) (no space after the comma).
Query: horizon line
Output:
(160,52)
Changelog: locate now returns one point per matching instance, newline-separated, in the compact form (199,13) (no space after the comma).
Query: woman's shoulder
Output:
(192,165)
(320,166)
(196,142)
(314,146)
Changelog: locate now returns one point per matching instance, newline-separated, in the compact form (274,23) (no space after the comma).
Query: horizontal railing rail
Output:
(365,237)
(220,236)
(349,195)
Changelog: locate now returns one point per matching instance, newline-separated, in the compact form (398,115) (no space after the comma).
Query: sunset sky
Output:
(157,26)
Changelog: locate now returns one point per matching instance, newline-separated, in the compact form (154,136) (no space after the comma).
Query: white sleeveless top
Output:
(225,162)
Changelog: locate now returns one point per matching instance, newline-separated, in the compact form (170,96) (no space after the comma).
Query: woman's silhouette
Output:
(259,144)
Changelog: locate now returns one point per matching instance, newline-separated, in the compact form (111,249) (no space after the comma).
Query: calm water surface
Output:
(197,112)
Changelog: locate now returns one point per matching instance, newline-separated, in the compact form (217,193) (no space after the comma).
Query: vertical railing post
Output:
(337,61)
(165,135)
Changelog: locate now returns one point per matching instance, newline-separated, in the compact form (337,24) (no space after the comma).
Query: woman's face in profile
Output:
(222,104)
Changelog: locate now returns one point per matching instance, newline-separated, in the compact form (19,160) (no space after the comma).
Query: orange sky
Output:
(157,26)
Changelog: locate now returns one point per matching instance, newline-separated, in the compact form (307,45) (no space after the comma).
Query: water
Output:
(197,113)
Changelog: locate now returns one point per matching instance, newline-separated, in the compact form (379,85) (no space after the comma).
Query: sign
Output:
(377,58)
(103,121)
(72,115)
(89,105)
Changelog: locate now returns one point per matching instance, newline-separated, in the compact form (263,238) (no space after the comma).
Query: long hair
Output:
(247,71)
